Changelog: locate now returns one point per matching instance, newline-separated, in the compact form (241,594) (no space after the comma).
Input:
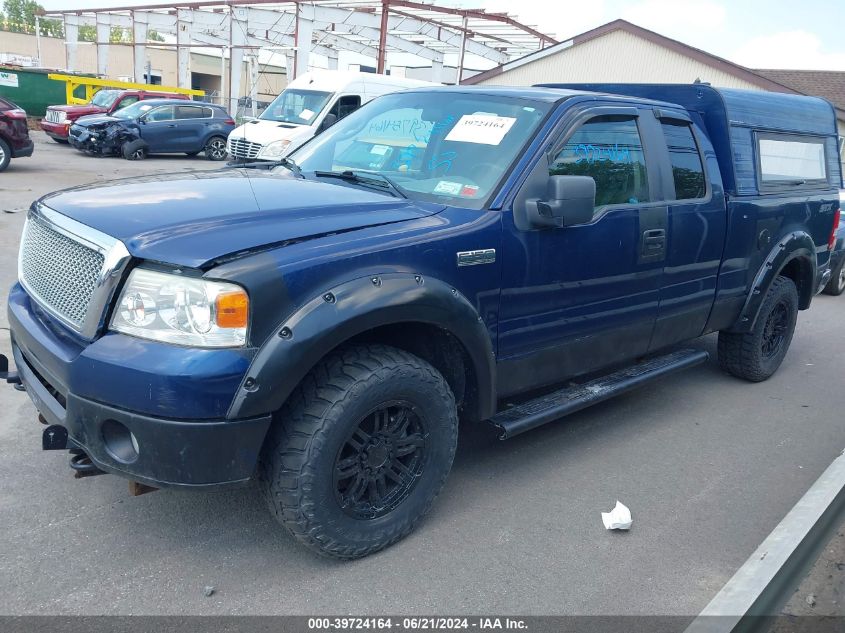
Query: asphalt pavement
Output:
(708,465)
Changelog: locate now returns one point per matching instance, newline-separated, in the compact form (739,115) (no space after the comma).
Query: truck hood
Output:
(77,110)
(191,218)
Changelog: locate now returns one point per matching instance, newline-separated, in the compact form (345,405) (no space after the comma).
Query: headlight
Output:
(183,310)
(276,149)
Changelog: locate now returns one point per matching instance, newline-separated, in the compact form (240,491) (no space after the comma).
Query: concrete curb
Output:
(768,578)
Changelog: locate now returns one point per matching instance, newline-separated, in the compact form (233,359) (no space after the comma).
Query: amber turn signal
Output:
(232,309)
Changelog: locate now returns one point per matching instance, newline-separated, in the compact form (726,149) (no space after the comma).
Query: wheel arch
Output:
(419,314)
(794,256)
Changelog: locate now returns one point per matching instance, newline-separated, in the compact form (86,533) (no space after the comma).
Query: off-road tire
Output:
(5,154)
(836,285)
(742,354)
(299,457)
(215,148)
(134,150)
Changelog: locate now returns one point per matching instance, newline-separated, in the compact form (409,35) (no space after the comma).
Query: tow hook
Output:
(10,377)
(82,464)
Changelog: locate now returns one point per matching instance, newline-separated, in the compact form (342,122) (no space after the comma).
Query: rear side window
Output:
(608,149)
(791,159)
(189,112)
(687,170)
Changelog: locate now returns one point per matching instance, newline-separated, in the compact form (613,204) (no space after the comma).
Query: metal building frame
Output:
(298,28)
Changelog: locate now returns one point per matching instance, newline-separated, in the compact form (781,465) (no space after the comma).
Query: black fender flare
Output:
(354,307)
(795,246)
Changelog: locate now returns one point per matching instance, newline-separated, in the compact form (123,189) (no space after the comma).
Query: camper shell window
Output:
(786,160)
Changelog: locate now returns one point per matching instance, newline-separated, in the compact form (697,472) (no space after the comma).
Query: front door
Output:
(579,298)
(158,129)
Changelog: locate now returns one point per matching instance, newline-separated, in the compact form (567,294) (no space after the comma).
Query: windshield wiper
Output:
(286,162)
(370,178)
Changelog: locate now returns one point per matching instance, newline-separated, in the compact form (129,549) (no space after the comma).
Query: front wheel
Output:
(836,285)
(360,451)
(757,354)
(134,150)
(215,148)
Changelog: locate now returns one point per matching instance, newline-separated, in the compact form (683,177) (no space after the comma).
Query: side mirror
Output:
(569,200)
(328,121)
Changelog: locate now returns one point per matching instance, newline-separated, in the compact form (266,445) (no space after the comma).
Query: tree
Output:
(20,18)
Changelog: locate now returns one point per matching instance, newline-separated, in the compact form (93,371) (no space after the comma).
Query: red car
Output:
(14,134)
(59,118)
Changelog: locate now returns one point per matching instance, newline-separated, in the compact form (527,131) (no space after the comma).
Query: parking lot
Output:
(708,465)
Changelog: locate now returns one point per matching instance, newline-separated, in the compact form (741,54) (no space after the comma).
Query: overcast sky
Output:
(804,34)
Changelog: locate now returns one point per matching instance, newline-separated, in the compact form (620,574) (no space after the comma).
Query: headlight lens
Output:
(183,310)
(276,149)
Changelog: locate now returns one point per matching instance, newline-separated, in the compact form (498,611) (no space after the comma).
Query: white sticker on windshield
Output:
(380,150)
(306,114)
(450,188)
(487,129)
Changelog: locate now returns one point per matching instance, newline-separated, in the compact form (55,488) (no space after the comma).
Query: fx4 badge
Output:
(472,258)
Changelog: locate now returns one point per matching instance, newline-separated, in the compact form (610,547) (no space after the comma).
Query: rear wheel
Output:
(757,354)
(215,148)
(5,154)
(836,285)
(134,150)
(360,451)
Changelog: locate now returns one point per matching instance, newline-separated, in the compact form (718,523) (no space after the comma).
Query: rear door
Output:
(696,229)
(191,125)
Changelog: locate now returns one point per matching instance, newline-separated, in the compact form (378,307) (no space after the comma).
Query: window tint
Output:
(164,113)
(189,112)
(687,170)
(609,150)
(791,159)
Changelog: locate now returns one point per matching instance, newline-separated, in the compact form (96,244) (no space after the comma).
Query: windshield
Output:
(105,98)
(296,106)
(135,110)
(440,147)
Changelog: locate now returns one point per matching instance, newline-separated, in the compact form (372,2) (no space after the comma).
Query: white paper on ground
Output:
(619,518)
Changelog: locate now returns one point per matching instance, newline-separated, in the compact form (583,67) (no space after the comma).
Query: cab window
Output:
(345,106)
(609,150)
(687,170)
(127,101)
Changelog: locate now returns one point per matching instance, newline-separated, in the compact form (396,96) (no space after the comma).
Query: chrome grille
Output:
(57,271)
(241,148)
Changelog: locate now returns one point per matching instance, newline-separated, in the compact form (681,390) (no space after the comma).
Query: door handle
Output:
(172,125)
(654,239)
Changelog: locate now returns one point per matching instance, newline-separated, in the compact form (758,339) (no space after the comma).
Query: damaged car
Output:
(155,126)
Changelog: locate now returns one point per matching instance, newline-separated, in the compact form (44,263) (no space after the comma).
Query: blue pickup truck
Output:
(502,255)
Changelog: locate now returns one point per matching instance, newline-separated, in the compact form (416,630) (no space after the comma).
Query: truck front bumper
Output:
(56,130)
(107,420)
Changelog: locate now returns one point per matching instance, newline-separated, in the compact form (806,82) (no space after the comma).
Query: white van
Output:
(309,104)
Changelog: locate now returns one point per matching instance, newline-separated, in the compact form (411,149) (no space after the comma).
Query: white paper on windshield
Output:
(448,187)
(379,150)
(486,129)
(306,114)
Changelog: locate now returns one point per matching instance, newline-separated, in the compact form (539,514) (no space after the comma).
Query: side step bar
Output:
(552,406)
